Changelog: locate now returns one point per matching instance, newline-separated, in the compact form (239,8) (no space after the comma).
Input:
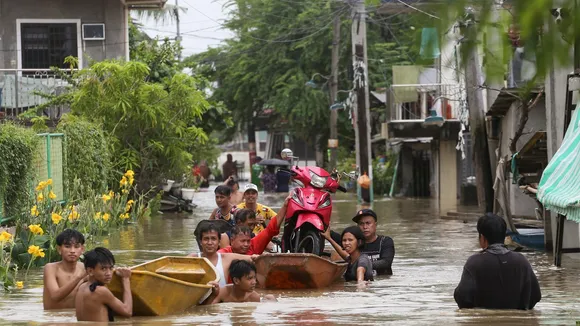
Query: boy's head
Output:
(222,196)
(246,217)
(70,245)
(491,229)
(210,238)
(243,274)
(241,236)
(99,264)
(233,184)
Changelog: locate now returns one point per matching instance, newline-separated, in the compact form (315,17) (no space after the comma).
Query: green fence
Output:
(50,164)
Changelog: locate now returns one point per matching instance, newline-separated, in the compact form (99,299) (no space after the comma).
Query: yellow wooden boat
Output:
(168,285)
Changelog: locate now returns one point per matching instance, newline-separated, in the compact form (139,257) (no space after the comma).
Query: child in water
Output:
(359,268)
(63,278)
(94,301)
(243,275)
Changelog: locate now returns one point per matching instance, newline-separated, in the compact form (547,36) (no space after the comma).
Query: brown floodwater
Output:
(430,254)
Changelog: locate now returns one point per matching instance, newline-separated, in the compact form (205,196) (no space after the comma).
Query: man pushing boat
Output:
(209,243)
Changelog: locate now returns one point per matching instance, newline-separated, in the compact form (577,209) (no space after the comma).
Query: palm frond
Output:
(167,14)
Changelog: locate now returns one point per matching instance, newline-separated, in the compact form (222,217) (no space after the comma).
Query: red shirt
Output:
(259,243)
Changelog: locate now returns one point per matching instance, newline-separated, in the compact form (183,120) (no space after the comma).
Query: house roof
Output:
(504,100)
(143,4)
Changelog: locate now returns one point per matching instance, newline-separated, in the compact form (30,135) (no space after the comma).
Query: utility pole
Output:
(333,141)
(480,158)
(362,113)
(178,37)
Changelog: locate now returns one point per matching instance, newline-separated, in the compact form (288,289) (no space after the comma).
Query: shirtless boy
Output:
(62,279)
(94,302)
(243,275)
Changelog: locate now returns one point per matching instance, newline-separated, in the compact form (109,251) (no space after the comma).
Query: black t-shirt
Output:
(381,253)
(362,261)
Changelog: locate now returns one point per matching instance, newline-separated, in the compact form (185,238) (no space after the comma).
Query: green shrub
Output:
(87,153)
(18,149)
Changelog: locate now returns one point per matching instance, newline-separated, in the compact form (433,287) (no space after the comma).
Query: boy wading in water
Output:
(243,274)
(62,279)
(94,302)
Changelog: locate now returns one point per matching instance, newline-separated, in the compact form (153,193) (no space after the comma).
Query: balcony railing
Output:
(446,99)
(23,89)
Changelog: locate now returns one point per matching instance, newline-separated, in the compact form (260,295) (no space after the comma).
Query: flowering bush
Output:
(35,241)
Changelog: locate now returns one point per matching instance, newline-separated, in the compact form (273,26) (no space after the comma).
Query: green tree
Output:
(278,47)
(152,125)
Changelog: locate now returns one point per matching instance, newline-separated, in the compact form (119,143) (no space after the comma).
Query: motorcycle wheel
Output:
(309,243)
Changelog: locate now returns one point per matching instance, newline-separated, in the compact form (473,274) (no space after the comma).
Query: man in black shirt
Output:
(380,249)
(497,278)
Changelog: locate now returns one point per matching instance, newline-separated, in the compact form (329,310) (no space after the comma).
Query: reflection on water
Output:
(430,254)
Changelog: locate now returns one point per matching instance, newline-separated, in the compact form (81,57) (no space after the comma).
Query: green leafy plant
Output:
(18,149)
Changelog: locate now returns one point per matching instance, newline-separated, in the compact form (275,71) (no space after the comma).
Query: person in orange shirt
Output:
(243,243)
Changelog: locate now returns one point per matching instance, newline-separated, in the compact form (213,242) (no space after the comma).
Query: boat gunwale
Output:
(302,255)
(134,270)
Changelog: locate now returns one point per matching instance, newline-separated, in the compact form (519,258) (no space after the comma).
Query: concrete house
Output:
(38,34)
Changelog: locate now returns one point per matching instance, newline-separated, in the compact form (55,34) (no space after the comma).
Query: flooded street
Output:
(430,254)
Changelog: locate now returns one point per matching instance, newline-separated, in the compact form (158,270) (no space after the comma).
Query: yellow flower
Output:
(36,251)
(129,204)
(49,182)
(36,229)
(19,285)
(106,217)
(123,181)
(34,211)
(51,195)
(97,215)
(56,218)
(40,197)
(106,198)
(73,215)
(111,194)
(129,174)
(124,216)
(41,186)
(124,191)
(5,237)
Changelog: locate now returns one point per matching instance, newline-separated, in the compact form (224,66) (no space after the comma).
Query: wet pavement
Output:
(430,254)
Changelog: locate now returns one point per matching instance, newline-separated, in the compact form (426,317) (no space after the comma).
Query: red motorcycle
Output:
(309,210)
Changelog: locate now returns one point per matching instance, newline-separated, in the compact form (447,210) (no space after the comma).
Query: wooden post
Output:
(477,124)
(362,122)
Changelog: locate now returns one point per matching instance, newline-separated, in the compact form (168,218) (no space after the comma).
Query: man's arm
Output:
(465,292)
(125,307)
(56,293)
(224,240)
(254,297)
(386,256)
(259,243)
(214,297)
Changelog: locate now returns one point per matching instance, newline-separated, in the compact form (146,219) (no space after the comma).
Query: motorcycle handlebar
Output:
(341,188)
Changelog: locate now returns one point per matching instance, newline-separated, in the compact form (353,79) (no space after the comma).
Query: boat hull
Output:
(168,285)
(297,271)
(531,238)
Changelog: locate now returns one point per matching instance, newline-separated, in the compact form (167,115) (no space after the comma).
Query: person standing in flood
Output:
(229,167)
(496,278)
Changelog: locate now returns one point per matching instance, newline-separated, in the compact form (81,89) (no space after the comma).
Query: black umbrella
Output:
(274,161)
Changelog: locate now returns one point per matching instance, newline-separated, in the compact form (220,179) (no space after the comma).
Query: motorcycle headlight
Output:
(296,198)
(326,203)
(317,181)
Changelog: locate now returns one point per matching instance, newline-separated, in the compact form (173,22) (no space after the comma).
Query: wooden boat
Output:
(297,271)
(531,238)
(167,285)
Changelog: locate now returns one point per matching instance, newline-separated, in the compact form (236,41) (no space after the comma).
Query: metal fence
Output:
(426,96)
(23,89)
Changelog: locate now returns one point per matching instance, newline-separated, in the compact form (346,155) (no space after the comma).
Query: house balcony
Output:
(144,4)
(407,118)
(24,89)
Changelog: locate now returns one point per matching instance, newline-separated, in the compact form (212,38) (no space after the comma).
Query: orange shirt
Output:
(259,243)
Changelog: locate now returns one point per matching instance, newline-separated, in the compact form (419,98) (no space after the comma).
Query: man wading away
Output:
(379,248)
(496,278)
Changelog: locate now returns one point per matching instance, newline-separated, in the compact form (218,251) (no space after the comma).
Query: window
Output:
(48,44)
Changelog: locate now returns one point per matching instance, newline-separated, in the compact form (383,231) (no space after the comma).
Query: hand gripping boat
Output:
(168,285)
(297,271)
